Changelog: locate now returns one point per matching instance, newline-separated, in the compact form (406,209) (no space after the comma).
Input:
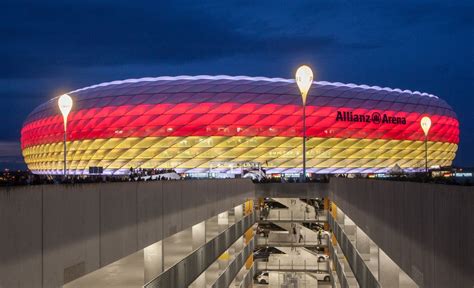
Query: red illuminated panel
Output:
(231,119)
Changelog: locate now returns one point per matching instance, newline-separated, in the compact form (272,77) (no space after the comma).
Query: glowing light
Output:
(65,105)
(304,79)
(425,124)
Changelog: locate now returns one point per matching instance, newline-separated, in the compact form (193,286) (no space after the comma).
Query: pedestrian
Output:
(294,235)
(131,174)
(320,236)
(263,211)
(266,211)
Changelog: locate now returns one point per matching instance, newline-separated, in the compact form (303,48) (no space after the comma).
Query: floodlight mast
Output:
(425,123)
(304,79)
(65,105)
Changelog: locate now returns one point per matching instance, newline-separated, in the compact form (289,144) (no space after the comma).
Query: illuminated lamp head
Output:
(65,105)
(304,79)
(425,124)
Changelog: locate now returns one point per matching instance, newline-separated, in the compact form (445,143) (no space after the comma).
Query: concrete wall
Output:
(427,229)
(52,234)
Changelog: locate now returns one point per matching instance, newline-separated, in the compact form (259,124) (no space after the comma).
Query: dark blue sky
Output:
(54,46)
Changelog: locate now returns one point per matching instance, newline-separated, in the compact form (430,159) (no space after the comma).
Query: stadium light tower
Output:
(65,105)
(304,79)
(426,125)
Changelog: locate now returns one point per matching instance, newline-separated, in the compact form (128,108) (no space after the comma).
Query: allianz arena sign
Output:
(375,117)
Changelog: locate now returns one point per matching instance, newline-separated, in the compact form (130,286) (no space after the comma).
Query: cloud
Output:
(55,36)
(10,155)
(9,149)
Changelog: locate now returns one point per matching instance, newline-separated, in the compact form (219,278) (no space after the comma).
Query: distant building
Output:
(188,122)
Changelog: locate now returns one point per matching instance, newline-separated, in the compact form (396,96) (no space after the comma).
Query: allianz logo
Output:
(376,118)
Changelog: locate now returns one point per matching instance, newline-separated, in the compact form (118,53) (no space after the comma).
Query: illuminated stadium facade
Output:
(189,123)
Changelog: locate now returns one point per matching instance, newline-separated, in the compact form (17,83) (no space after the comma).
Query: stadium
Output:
(199,124)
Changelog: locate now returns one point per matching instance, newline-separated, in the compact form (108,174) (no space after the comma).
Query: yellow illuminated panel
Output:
(196,152)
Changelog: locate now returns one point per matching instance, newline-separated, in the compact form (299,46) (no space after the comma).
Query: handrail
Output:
(290,265)
(183,273)
(277,214)
(226,277)
(248,278)
(339,270)
(361,271)
(264,241)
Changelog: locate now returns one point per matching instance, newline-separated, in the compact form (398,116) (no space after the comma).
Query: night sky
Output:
(54,46)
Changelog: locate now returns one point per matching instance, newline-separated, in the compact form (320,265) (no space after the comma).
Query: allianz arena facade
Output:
(189,123)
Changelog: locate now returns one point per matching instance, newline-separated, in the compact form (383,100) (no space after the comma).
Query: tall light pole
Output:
(304,79)
(65,105)
(426,125)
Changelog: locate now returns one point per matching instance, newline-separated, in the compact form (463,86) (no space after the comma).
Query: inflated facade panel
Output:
(190,122)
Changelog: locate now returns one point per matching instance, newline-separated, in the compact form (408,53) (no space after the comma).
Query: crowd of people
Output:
(18,178)
(21,178)
(142,174)
(149,172)
(318,179)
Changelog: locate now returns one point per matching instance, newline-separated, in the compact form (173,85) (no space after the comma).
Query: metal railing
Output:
(361,271)
(234,267)
(296,265)
(183,273)
(288,240)
(247,281)
(339,269)
(292,215)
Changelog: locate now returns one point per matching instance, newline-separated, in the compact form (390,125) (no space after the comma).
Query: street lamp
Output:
(65,105)
(304,79)
(426,125)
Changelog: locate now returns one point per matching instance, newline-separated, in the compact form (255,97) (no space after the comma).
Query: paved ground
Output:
(125,273)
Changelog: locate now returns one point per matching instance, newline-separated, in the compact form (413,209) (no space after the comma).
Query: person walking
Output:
(293,236)
(266,211)
(320,236)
